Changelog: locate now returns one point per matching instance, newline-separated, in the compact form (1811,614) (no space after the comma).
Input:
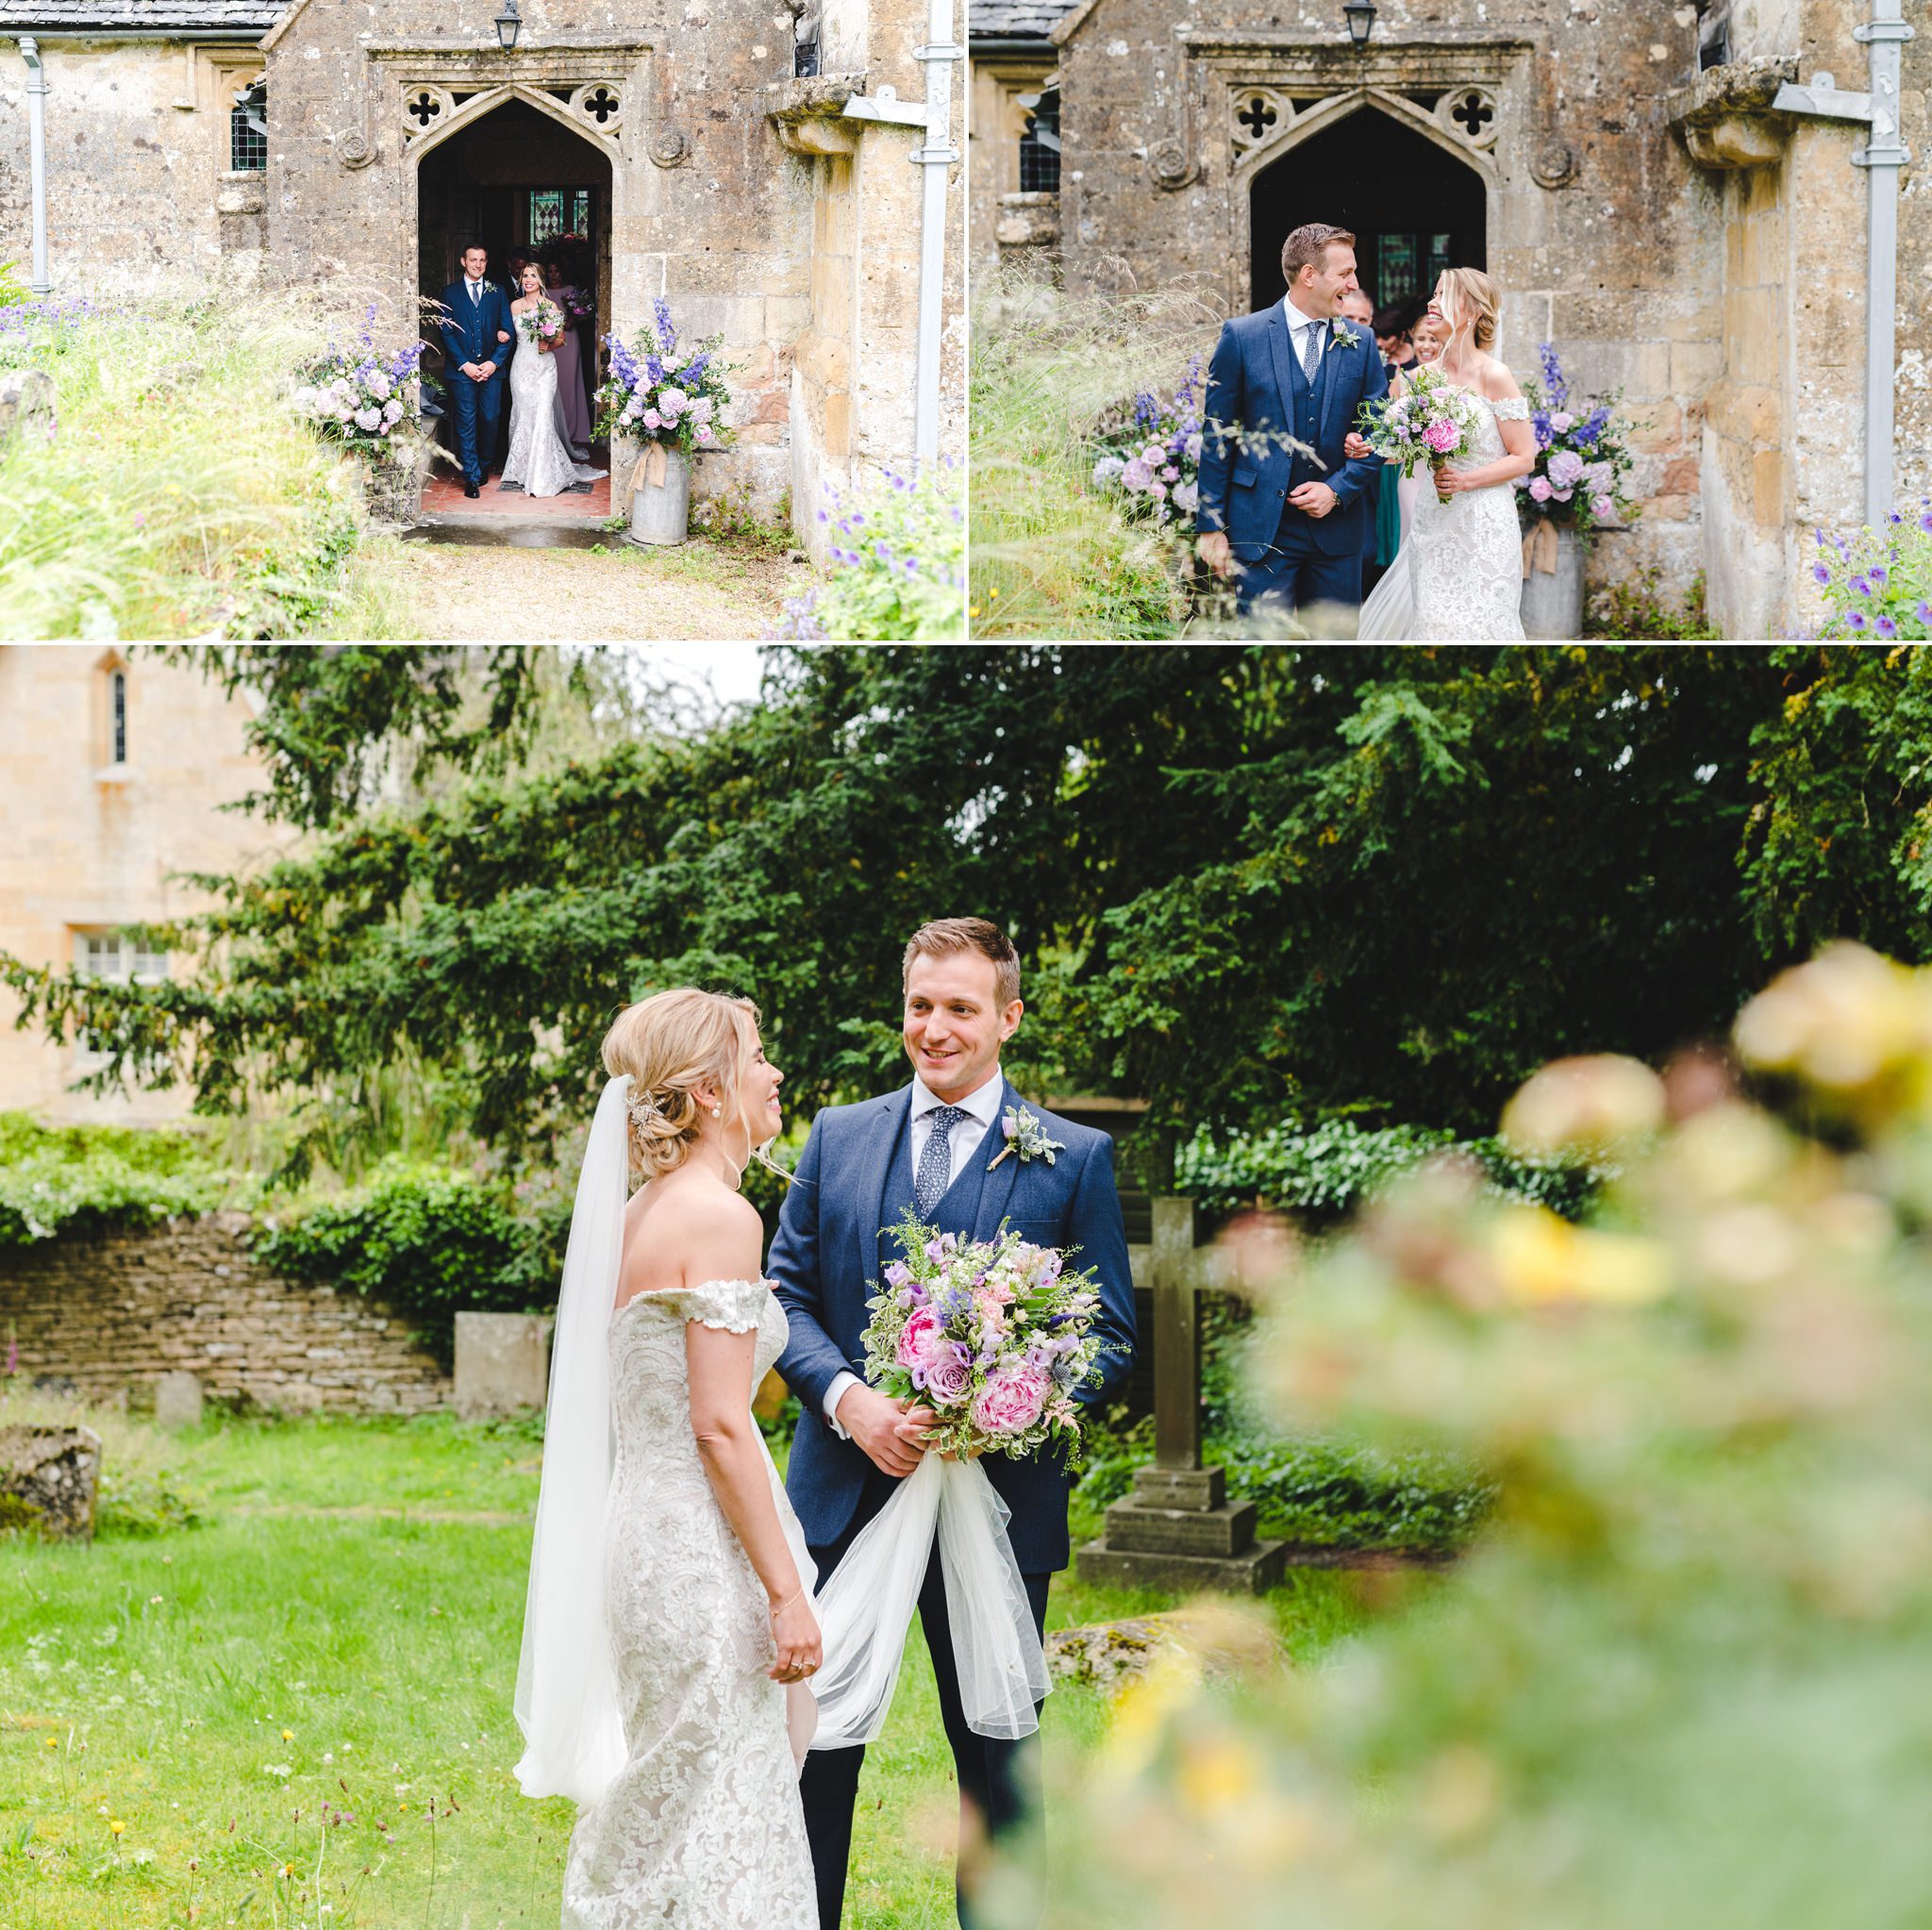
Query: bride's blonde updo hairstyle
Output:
(1471,299)
(669,1044)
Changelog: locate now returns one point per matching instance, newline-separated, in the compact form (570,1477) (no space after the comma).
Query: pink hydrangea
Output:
(1566,469)
(1442,435)
(1540,490)
(1011,1400)
(1602,507)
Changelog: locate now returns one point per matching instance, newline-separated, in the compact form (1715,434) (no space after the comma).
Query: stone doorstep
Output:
(1252,1574)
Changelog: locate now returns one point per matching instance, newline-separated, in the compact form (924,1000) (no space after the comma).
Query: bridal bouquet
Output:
(541,323)
(359,397)
(1431,422)
(1583,456)
(669,395)
(995,1335)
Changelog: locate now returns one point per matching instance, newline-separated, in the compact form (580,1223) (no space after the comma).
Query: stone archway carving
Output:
(1289,129)
(459,114)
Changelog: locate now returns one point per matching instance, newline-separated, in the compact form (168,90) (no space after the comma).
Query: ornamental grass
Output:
(179,496)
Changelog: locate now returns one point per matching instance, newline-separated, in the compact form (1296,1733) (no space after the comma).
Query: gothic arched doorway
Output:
(1414,208)
(517,177)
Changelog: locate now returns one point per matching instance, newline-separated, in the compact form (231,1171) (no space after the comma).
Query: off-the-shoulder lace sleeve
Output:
(1513,409)
(737,1305)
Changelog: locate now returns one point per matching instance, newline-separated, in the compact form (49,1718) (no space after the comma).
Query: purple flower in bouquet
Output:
(948,1379)
(1566,469)
(1555,386)
(667,335)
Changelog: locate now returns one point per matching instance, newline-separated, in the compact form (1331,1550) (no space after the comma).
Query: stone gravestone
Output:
(178,1401)
(1177,1528)
(48,1477)
(26,404)
(503,1363)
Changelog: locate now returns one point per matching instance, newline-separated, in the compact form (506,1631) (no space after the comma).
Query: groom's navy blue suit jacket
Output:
(470,328)
(1255,380)
(831,1251)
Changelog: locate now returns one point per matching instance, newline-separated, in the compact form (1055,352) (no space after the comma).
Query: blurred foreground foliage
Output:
(1684,1677)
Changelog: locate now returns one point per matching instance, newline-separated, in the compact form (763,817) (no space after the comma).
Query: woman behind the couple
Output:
(668,1632)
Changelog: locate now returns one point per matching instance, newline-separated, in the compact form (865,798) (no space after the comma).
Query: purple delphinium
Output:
(1555,387)
(667,335)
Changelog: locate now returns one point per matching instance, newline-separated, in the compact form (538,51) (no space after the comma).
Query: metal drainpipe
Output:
(936,157)
(36,158)
(1886,34)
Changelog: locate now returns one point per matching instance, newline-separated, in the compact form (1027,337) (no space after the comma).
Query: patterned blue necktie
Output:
(1311,357)
(936,1163)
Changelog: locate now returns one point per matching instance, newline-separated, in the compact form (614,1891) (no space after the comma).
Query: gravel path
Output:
(457,592)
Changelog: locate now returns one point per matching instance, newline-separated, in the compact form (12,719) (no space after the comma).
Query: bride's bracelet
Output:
(786,1602)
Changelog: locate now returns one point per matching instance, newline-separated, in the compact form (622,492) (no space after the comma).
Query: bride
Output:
(540,458)
(1458,576)
(670,1634)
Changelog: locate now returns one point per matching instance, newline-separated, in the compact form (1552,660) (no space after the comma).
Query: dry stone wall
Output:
(116,1313)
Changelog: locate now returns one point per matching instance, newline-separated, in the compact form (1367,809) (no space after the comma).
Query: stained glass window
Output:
(556,211)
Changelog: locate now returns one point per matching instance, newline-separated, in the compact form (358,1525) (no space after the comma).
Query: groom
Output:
(1297,524)
(937,1145)
(479,336)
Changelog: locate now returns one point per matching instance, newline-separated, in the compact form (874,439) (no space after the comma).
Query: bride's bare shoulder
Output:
(1499,385)
(687,1228)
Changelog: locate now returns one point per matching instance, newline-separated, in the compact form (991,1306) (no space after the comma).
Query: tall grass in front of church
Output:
(1053,555)
(179,496)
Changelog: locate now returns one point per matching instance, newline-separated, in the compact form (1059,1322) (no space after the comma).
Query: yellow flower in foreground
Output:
(1540,1258)
(288,1735)
(53,1743)
(1216,1772)
(116,1827)
(1141,1713)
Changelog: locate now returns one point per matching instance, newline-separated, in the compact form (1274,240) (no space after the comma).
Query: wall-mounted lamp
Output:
(1361,22)
(510,23)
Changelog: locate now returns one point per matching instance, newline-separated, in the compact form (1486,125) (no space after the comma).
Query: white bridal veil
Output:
(566,1700)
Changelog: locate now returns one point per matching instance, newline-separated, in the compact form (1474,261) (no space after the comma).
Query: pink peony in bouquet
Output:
(1433,422)
(995,1335)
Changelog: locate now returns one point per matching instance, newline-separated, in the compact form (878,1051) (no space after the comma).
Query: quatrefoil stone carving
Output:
(1468,114)
(425,108)
(600,104)
(1261,115)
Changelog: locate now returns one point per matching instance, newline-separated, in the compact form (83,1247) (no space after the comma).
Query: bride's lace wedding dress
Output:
(539,458)
(1458,579)
(703,1829)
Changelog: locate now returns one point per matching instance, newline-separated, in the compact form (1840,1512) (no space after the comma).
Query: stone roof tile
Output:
(1010,19)
(247,19)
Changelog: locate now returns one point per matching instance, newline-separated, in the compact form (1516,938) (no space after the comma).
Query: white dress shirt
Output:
(476,290)
(1297,325)
(982,1108)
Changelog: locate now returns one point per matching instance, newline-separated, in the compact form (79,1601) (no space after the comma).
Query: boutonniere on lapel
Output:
(1343,336)
(1027,1136)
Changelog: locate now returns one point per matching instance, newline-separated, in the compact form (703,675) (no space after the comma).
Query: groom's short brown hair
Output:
(945,936)
(1310,243)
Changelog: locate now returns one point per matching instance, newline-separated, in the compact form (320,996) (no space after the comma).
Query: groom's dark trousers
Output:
(999,1780)
(854,1179)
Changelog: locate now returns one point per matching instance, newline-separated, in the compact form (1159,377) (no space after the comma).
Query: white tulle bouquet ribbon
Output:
(995,1337)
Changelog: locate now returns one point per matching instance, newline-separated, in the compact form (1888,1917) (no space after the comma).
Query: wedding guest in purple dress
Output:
(570,365)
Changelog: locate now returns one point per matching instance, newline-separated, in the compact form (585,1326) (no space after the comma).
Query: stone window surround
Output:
(1026,221)
(214,75)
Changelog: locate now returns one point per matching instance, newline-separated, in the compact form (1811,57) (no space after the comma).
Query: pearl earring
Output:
(717,1110)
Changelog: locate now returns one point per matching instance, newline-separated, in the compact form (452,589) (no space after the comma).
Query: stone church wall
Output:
(138,191)
(114,1313)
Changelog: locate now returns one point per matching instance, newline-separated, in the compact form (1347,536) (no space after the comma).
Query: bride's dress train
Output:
(1458,575)
(702,1825)
(539,458)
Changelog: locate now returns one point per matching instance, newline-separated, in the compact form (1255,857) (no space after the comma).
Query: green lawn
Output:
(299,1710)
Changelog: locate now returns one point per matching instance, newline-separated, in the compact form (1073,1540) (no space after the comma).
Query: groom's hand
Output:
(892,1434)
(1217,552)
(1314,499)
